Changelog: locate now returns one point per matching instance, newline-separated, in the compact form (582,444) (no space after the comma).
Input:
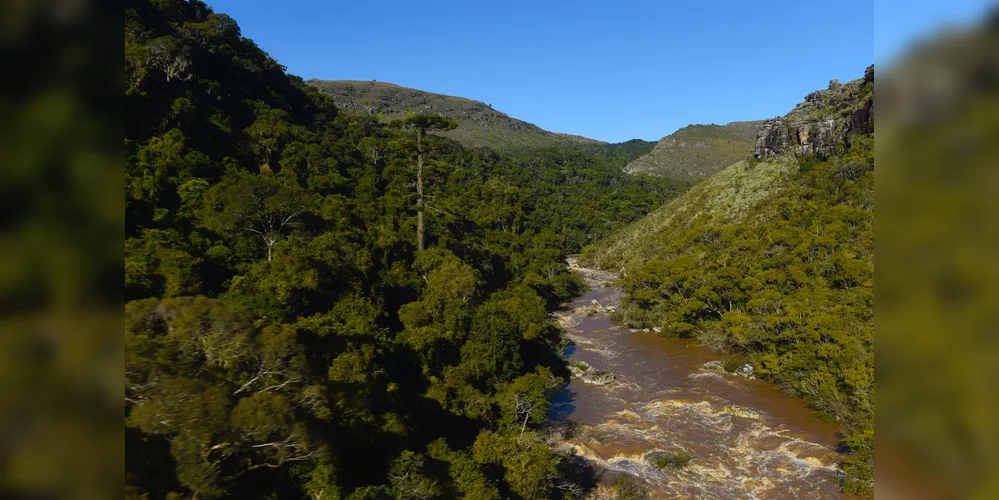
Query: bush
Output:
(635,317)
(731,363)
(668,460)
(629,488)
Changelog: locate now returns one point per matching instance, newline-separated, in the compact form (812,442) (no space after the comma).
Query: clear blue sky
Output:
(611,70)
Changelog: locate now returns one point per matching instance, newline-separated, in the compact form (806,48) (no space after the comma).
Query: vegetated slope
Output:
(619,153)
(478,123)
(772,260)
(697,151)
(284,338)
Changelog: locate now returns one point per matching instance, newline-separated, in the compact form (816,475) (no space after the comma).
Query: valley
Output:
(355,290)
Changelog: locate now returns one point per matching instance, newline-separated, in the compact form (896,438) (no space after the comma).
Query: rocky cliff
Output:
(822,125)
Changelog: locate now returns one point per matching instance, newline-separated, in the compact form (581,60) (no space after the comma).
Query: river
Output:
(746,439)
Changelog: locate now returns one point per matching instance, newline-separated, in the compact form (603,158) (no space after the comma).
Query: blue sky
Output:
(611,70)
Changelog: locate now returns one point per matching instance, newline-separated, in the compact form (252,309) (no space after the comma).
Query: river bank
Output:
(638,396)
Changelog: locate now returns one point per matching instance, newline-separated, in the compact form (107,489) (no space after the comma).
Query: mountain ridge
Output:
(479,124)
(697,151)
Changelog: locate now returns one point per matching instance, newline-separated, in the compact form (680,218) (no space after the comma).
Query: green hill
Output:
(619,153)
(697,151)
(772,261)
(478,123)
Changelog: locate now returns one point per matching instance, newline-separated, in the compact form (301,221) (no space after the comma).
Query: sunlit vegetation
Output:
(697,151)
(479,124)
(670,460)
(285,336)
(773,263)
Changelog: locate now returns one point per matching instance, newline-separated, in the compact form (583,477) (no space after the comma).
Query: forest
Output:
(320,305)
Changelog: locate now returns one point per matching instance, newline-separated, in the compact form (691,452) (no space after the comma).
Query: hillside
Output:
(285,334)
(697,151)
(822,126)
(478,123)
(772,261)
(619,153)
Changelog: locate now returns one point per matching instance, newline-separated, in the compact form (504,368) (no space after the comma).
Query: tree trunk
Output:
(419,189)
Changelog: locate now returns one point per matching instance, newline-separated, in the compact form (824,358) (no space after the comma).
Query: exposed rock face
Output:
(772,140)
(861,120)
(819,138)
(822,125)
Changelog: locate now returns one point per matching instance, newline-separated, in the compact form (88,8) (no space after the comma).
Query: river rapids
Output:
(744,437)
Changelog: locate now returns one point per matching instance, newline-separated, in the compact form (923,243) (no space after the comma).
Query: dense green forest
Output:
(285,338)
(772,261)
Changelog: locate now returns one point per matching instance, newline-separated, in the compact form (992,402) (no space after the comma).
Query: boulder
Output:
(577,368)
(714,366)
(589,375)
(597,308)
(597,377)
(742,412)
(745,370)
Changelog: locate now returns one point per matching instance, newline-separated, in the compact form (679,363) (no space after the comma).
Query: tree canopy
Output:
(285,337)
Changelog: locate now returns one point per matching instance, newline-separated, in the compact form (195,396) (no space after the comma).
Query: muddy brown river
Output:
(745,438)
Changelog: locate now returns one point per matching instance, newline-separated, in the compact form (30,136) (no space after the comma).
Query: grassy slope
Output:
(725,197)
(478,123)
(697,151)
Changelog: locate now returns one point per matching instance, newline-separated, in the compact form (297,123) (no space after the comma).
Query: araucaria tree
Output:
(422,124)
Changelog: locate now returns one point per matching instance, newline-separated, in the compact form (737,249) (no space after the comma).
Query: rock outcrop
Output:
(745,370)
(822,125)
(589,374)
(714,367)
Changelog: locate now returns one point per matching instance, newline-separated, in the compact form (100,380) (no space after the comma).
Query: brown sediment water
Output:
(746,438)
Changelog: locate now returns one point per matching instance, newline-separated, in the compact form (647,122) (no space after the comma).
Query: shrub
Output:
(731,363)
(668,460)
(629,488)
